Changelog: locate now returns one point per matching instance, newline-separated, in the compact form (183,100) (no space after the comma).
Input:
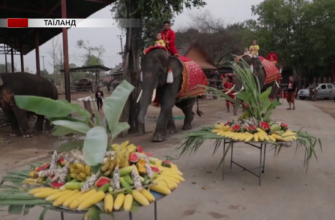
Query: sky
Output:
(227,10)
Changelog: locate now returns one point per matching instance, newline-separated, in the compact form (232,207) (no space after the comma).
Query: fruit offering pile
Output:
(246,130)
(127,174)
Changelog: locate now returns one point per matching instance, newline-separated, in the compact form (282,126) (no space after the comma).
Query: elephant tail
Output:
(200,113)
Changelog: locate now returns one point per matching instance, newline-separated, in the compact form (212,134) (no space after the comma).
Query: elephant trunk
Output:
(148,95)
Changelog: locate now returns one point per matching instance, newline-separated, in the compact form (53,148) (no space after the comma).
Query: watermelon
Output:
(149,154)
(155,169)
(56,185)
(166,163)
(102,181)
(133,158)
(139,149)
(60,161)
(43,167)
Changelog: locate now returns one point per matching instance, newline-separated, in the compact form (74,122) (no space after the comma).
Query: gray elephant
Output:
(155,67)
(23,84)
(259,72)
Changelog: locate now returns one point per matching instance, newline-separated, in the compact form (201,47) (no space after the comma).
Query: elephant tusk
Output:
(232,88)
(239,91)
(277,84)
(153,95)
(139,96)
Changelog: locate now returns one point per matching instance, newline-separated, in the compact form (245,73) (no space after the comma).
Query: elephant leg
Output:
(15,128)
(39,123)
(167,101)
(186,106)
(21,117)
(47,126)
(171,126)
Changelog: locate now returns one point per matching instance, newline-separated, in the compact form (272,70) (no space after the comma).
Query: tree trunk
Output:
(131,73)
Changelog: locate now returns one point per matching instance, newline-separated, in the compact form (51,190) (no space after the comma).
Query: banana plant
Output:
(97,137)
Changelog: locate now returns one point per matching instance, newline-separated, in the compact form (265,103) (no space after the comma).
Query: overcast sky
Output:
(228,10)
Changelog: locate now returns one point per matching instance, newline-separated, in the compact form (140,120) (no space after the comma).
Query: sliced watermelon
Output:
(133,158)
(60,161)
(166,163)
(102,181)
(155,169)
(149,154)
(43,167)
(139,149)
(56,185)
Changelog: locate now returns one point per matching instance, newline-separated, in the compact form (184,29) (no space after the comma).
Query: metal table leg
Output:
(264,158)
(155,210)
(223,162)
(61,215)
(260,164)
(130,216)
(231,157)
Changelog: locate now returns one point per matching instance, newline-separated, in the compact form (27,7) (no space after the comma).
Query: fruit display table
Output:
(64,210)
(262,150)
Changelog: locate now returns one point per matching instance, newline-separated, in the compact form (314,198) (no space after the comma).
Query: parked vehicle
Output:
(325,91)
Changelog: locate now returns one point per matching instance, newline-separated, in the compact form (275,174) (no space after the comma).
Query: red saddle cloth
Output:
(193,76)
(271,71)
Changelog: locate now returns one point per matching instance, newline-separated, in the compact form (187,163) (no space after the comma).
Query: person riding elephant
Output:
(169,38)
(23,84)
(162,75)
(260,73)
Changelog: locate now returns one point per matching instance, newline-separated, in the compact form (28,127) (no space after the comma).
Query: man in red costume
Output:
(169,37)
(272,56)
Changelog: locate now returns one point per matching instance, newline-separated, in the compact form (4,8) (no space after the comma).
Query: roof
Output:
(199,55)
(94,68)
(118,69)
(41,9)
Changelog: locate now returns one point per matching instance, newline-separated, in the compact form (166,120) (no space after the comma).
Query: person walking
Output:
(291,93)
(99,96)
(226,87)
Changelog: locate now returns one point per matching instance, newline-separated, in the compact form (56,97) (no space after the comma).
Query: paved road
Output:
(287,191)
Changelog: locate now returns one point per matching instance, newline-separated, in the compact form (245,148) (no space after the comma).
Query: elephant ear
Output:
(176,66)
(1,81)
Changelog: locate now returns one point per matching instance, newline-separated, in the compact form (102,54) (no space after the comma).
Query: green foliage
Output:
(93,54)
(152,13)
(297,29)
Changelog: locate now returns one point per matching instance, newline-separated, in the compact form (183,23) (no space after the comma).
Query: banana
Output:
(256,137)
(79,166)
(272,138)
(106,165)
(266,137)
(64,197)
(277,137)
(83,175)
(260,136)
(88,170)
(260,130)
(249,138)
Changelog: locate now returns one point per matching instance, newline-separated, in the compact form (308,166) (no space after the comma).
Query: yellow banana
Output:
(256,137)
(249,138)
(64,197)
(272,138)
(260,136)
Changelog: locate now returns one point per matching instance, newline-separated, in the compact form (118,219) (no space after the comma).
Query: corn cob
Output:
(119,201)
(148,195)
(53,163)
(108,203)
(95,198)
(136,179)
(116,178)
(89,183)
(140,198)
(46,173)
(128,201)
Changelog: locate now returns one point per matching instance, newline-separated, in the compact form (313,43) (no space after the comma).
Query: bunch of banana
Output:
(108,167)
(122,152)
(286,136)
(221,129)
(245,115)
(80,172)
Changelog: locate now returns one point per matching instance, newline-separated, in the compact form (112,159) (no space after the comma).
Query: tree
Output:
(218,39)
(89,58)
(143,10)
(9,67)
(297,29)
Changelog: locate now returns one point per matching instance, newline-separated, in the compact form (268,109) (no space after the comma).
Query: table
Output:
(259,145)
(157,196)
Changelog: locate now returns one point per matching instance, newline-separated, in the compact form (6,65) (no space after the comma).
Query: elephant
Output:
(259,72)
(155,65)
(22,83)
(84,85)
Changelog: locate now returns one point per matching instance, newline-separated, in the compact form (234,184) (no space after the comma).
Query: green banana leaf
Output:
(95,146)
(73,126)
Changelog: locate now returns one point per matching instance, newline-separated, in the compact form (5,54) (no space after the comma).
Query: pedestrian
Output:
(99,96)
(291,93)
(228,85)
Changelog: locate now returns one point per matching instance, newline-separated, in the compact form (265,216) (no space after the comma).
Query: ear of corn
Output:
(55,196)
(46,193)
(108,203)
(140,198)
(161,189)
(93,199)
(128,202)
(119,201)
(34,191)
(148,195)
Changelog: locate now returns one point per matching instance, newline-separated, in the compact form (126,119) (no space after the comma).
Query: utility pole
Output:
(43,62)
(121,37)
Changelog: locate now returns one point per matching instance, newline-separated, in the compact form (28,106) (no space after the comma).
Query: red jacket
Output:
(272,57)
(170,36)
